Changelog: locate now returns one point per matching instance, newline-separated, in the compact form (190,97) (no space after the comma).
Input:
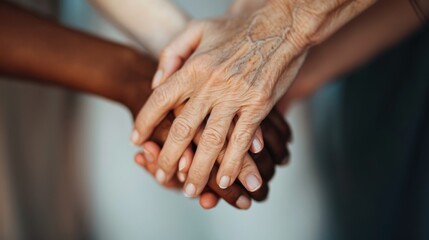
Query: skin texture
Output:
(236,70)
(51,54)
(371,31)
(137,18)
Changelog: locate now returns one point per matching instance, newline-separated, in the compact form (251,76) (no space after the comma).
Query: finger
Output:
(151,149)
(249,167)
(150,152)
(279,123)
(237,148)
(160,102)
(257,142)
(177,52)
(249,174)
(265,164)
(261,194)
(184,164)
(208,199)
(235,195)
(210,144)
(275,142)
(180,136)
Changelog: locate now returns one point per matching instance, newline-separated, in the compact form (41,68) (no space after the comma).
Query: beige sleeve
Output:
(153,23)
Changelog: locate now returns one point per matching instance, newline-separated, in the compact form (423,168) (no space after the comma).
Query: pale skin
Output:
(321,64)
(138,18)
(372,32)
(39,50)
(236,69)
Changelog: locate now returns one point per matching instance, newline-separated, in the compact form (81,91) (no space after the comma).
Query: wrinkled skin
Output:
(234,71)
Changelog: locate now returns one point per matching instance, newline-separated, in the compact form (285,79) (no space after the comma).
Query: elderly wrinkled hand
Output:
(234,71)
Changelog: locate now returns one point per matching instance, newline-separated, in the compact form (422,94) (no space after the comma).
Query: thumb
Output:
(177,52)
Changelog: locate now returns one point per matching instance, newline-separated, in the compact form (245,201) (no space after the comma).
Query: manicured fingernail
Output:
(140,159)
(160,176)
(256,145)
(253,183)
(182,164)
(147,155)
(157,78)
(181,176)
(190,190)
(135,137)
(243,202)
(224,182)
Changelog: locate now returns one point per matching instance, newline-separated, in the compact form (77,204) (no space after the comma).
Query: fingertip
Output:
(157,78)
(186,160)
(253,182)
(243,203)
(257,142)
(152,149)
(181,176)
(139,159)
(135,137)
(208,200)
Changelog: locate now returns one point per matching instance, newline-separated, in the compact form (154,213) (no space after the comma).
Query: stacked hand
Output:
(276,135)
(228,74)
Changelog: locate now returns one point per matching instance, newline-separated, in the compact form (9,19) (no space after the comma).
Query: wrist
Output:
(131,78)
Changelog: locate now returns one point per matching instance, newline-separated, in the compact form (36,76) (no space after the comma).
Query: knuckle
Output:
(181,130)
(202,61)
(212,138)
(241,140)
(166,163)
(264,96)
(160,96)
(247,167)
(231,194)
(198,176)
(233,166)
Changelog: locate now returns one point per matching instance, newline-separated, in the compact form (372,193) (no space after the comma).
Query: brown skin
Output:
(42,51)
(235,67)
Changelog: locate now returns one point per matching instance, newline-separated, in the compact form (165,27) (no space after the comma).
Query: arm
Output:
(38,49)
(372,32)
(234,70)
(49,53)
(153,23)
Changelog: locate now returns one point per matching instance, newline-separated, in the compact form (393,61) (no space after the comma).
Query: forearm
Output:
(38,49)
(382,26)
(310,22)
(153,23)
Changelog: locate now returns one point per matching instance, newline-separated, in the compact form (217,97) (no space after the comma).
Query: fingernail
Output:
(253,183)
(256,145)
(182,164)
(147,155)
(160,176)
(157,78)
(243,202)
(135,137)
(140,159)
(190,190)
(224,182)
(181,176)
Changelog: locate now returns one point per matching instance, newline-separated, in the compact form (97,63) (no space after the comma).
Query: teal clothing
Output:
(375,150)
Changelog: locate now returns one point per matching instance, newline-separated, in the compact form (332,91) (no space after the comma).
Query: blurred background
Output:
(358,170)
(67,166)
